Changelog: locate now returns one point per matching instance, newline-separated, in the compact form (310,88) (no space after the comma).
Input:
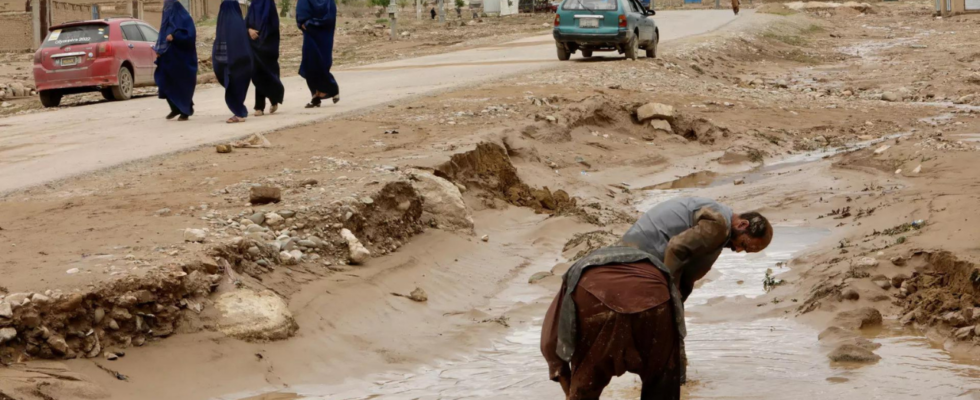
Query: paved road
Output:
(48,146)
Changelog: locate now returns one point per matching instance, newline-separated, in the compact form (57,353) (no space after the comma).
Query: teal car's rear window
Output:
(591,5)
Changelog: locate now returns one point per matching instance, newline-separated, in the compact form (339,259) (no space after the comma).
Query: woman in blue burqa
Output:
(232,58)
(263,28)
(318,20)
(176,73)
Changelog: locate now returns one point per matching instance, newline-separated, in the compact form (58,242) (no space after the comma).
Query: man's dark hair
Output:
(758,225)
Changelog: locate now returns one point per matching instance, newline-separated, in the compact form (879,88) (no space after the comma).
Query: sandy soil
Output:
(759,109)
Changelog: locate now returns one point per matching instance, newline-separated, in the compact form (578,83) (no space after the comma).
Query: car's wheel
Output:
(652,49)
(50,98)
(563,53)
(632,47)
(107,94)
(124,90)
(586,53)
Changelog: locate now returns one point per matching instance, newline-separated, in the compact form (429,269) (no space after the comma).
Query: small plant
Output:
(284,7)
(382,3)
(460,3)
(770,282)
(381,21)
(404,3)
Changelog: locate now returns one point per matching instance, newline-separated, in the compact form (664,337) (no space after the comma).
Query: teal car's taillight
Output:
(557,20)
(622,20)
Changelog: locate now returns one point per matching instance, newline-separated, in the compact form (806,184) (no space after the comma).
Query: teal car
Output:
(625,26)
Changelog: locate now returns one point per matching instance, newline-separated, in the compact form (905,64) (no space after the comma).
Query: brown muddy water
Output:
(730,358)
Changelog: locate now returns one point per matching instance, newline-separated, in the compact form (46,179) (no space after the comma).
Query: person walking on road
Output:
(735,4)
(318,21)
(231,57)
(176,60)
(263,28)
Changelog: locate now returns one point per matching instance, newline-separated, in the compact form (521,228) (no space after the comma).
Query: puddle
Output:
(967,137)
(763,359)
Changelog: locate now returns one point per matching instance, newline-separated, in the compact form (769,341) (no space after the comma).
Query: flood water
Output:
(774,358)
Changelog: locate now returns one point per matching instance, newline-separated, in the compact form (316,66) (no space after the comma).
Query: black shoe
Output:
(172,115)
(336,99)
(314,103)
(184,117)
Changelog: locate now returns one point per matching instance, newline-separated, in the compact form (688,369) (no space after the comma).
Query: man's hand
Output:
(253,33)
(170,38)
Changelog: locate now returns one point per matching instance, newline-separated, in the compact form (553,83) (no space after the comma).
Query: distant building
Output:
(953,7)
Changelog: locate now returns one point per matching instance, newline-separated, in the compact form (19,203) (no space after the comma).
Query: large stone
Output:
(265,195)
(861,318)
(850,294)
(661,126)
(891,96)
(899,279)
(255,316)
(7,334)
(836,336)
(17,89)
(853,353)
(358,253)
(194,235)
(6,311)
(58,344)
(655,111)
(866,262)
(443,202)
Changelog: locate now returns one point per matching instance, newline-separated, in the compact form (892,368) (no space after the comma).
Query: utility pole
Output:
(442,12)
(418,9)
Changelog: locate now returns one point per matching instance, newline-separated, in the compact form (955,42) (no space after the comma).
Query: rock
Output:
(898,261)
(837,336)
(297,255)
(419,295)
(538,276)
(850,294)
(485,238)
(254,316)
(6,311)
(781,83)
(17,89)
(443,201)
(273,219)
(113,325)
(286,213)
(954,319)
(853,353)
(7,334)
(265,195)
(655,111)
(17,299)
(111,356)
(358,253)
(897,280)
(306,243)
(287,258)
(661,126)
(861,318)
(964,333)
(163,212)
(98,315)
(883,283)
(258,218)
(965,99)
(6,105)
(882,149)
(58,344)
(367,200)
(909,317)
(866,262)
(121,314)
(194,235)
(309,182)
(917,169)
(223,148)
(738,182)
(891,96)
(822,140)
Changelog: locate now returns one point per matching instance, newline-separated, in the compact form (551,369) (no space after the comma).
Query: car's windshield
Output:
(82,34)
(591,5)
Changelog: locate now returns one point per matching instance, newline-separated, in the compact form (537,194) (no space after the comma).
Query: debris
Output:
(853,353)
(418,295)
(538,276)
(223,148)
(655,111)
(358,253)
(114,373)
(739,182)
(882,149)
(256,141)
(72,271)
(485,238)
(265,195)
(163,212)
(917,169)
(898,261)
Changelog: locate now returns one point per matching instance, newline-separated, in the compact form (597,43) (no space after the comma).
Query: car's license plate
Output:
(588,23)
(69,61)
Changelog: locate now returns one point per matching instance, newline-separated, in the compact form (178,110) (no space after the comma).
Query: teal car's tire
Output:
(563,53)
(632,47)
(652,49)
(586,53)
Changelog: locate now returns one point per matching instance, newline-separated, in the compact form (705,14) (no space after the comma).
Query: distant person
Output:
(735,4)
(620,308)
(432,12)
(459,12)
(318,21)
(263,28)
(231,57)
(176,49)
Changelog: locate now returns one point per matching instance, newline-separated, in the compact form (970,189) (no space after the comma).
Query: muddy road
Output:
(82,139)
(418,264)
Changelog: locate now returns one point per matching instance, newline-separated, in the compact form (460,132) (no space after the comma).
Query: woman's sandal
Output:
(273,109)
(259,113)
(235,120)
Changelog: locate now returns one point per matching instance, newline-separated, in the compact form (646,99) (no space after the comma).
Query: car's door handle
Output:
(131,45)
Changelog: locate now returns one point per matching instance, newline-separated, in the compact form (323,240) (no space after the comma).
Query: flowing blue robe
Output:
(318,20)
(231,56)
(176,72)
(262,17)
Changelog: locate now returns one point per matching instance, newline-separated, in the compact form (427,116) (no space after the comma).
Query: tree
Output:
(460,3)
(404,3)
(382,3)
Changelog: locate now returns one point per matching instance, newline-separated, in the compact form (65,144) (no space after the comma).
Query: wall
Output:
(67,12)
(16,32)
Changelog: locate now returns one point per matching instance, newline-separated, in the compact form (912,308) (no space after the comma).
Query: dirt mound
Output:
(593,114)
(584,243)
(943,292)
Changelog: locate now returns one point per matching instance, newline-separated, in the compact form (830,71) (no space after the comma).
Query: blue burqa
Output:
(318,20)
(176,73)
(231,56)
(262,17)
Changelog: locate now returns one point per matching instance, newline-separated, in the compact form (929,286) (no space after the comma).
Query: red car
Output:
(112,56)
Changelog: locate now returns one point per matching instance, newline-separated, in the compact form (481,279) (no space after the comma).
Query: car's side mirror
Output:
(651,12)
